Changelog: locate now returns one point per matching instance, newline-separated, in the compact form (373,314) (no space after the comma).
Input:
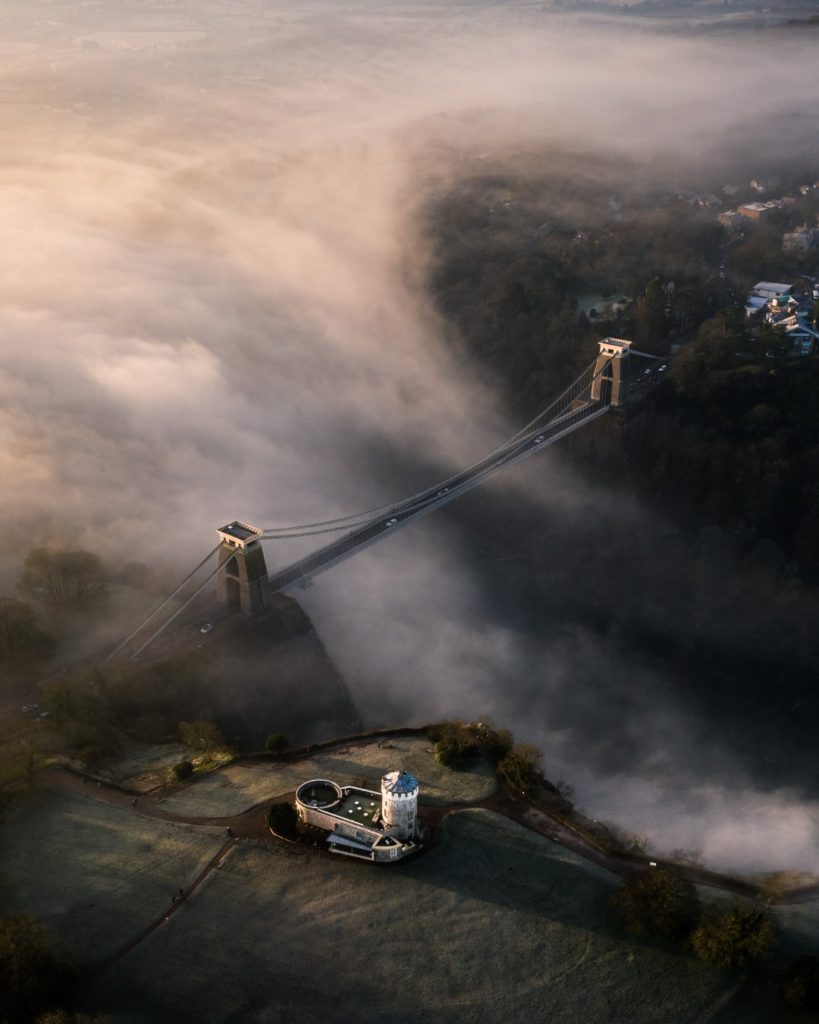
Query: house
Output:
(802,338)
(771,289)
(730,190)
(363,823)
(755,305)
(759,211)
(732,220)
(761,295)
(763,184)
(779,310)
(800,241)
(708,200)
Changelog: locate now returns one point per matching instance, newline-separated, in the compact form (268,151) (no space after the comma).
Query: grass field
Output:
(142,767)
(96,875)
(237,787)
(497,925)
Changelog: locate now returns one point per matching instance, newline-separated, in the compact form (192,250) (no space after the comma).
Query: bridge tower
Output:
(242,583)
(613,382)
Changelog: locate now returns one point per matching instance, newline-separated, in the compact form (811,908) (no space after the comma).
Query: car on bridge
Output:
(391,522)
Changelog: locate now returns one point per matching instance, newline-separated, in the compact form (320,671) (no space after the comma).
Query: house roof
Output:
(399,782)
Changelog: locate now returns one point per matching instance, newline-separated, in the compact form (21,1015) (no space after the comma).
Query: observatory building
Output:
(361,823)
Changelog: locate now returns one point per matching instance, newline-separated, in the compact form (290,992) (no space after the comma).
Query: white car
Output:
(441,493)
(540,439)
(28,708)
(392,522)
(206,628)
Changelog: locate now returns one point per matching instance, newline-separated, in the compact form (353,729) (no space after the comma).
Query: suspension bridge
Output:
(243,580)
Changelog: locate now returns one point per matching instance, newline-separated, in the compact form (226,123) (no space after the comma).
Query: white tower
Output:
(399,803)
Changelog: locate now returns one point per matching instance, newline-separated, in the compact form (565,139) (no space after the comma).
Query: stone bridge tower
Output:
(613,382)
(242,583)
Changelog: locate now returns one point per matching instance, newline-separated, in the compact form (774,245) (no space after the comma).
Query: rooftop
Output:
(770,286)
(359,805)
(241,532)
(399,782)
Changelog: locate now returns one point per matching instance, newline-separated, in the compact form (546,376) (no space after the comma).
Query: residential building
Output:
(800,241)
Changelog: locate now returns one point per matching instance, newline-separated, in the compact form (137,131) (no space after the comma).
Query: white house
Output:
(361,823)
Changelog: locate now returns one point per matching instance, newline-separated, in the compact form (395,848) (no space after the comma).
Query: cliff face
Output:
(277,677)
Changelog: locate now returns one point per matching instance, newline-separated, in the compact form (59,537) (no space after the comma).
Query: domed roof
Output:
(399,782)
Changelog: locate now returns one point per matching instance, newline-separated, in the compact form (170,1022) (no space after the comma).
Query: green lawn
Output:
(94,874)
(496,926)
(237,787)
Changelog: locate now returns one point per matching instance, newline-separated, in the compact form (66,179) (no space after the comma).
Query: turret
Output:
(399,803)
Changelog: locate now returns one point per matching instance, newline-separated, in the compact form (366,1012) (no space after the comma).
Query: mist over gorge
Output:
(216,305)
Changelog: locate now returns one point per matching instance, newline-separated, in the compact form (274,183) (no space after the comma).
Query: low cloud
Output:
(212,306)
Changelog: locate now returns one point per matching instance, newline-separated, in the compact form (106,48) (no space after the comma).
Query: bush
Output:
(282,819)
(22,642)
(183,769)
(276,743)
(455,747)
(200,735)
(732,934)
(658,902)
(459,743)
(32,976)
(521,767)
(802,983)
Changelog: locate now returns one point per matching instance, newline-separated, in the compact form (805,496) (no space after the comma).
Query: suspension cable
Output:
(159,607)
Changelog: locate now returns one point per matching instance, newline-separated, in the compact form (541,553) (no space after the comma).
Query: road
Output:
(420,505)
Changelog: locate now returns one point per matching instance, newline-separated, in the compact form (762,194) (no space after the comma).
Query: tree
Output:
(183,770)
(658,902)
(652,324)
(22,641)
(802,983)
(60,700)
(32,975)
(63,580)
(276,743)
(456,746)
(521,767)
(283,819)
(732,934)
(200,735)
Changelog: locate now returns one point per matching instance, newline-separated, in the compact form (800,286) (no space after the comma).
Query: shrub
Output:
(22,641)
(276,743)
(183,769)
(282,819)
(659,902)
(732,934)
(521,767)
(200,735)
(802,983)
(455,747)
(32,976)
